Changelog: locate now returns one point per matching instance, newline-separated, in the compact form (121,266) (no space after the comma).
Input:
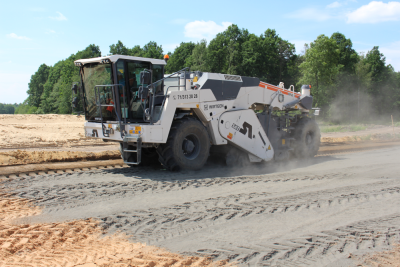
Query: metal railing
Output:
(150,120)
(98,103)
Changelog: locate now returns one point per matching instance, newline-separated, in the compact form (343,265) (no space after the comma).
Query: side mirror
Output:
(145,77)
(74,88)
(75,102)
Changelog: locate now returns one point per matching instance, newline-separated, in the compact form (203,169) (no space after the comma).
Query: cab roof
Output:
(114,58)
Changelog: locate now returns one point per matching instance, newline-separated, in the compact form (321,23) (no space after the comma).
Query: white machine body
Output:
(222,103)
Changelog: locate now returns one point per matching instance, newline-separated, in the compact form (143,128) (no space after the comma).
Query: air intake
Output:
(232,78)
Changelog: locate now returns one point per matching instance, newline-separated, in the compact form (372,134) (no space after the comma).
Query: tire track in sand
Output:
(73,194)
(169,222)
(75,243)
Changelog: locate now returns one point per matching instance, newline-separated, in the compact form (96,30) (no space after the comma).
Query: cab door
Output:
(133,83)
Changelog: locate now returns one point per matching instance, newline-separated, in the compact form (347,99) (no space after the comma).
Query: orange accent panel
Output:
(275,88)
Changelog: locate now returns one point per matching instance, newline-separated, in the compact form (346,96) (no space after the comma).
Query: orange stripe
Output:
(276,88)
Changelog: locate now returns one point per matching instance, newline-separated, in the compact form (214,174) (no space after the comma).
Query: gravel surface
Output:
(298,213)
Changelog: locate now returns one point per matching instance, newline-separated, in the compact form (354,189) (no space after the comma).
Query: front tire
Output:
(187,147)
(307,136)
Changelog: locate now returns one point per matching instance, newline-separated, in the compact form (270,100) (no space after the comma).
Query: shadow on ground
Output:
(216,168)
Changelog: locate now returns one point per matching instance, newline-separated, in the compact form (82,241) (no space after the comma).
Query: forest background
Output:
(346,85)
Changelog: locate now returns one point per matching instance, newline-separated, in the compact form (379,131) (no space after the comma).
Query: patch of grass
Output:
(355,128)
(397,124)
(342,128)
(331,129)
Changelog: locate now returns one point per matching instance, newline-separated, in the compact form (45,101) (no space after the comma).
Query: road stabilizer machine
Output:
(181,119)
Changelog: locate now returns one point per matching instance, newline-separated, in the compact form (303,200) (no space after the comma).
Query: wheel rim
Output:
(191,146)
(309,138)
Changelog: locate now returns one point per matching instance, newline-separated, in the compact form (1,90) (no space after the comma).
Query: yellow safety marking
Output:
(230,135)
(283,141)
(269,147)
(197,105)
(295,107)
(109,126)
(138,130)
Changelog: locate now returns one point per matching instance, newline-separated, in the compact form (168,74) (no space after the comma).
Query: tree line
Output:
(8,108)
(343,81)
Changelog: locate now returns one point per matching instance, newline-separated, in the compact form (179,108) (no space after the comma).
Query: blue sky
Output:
(36,32)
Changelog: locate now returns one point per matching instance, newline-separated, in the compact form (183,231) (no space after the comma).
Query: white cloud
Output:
(204,29)
(375,12)
(60,17)
(310,14)
(14,36)
(334,5)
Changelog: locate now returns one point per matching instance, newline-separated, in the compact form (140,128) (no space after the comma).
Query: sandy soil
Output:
(334,210)
(18,157)
(27,139)
(384,258)
(75,243)
(373,134)
(23,131)
(324,212)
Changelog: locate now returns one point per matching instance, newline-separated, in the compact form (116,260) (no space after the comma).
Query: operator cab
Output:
(114,82)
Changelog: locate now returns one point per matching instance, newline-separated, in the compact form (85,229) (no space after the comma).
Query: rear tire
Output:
(187,147)
(307,136)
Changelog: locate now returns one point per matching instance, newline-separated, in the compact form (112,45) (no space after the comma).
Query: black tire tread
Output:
(165,151)
(300,148)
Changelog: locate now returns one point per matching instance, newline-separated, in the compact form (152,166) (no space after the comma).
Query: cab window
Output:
(158,74)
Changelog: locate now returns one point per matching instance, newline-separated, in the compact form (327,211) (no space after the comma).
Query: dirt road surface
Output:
(320,212)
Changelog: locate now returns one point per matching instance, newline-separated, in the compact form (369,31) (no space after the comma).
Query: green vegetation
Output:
(342,128)
(8,108)
(50,87)
(347,86)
